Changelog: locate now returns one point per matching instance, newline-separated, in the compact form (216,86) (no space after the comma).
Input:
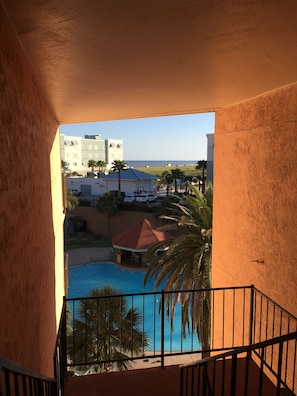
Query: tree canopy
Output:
(65,166)
(167,179)
(177,174)
(202,164)
(92,164)
(118,166)
(101,165)
(106,329)
(108,204)
(72,201)
(183,260)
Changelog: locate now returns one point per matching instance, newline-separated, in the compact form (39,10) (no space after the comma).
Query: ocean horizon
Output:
(159,163)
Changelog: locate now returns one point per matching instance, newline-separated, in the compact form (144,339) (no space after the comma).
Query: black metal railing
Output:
(17,380)
(237,373)
(269,318)
(93,334)
(60,354)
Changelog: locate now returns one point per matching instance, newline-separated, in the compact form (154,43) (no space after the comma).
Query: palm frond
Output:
(105,328)
(185,264)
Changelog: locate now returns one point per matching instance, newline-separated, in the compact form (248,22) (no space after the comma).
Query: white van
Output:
(146,197)
(129,198)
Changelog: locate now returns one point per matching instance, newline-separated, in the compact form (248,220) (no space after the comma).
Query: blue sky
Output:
(158,138)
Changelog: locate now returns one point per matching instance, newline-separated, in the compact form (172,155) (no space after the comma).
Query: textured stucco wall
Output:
(255,201)
(97,222)
(31,214)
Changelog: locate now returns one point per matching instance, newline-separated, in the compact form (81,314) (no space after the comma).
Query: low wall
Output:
(97,222)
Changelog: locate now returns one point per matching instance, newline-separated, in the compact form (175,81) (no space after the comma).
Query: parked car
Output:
(129,198)
(146,197)
(76,193)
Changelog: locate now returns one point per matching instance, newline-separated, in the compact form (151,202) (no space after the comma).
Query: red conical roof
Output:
(139,237)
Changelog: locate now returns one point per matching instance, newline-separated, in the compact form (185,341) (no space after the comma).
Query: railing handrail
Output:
(16,368)
(60,328)
(275,303)
(159,292)
(240,350)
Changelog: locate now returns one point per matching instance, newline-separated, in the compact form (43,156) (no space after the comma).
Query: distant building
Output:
(132,181)
(77,151)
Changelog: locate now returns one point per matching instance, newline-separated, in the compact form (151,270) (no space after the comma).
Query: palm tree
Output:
(65,166)
(106,329)
(92,164)
(101,165)
(186,263)
(108,204)
(177,174)
(118,166)
(167,180)
(202,165)
(188,180)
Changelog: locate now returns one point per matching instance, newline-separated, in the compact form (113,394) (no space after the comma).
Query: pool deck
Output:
(87,255)
(96,255)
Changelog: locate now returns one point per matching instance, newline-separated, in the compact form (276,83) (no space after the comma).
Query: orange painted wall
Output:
(255,196)
(122,220)
(31,217)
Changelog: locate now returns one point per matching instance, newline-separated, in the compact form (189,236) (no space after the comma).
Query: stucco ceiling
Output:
(113,59)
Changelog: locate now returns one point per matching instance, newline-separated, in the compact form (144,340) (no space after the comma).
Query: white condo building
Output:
(77,151)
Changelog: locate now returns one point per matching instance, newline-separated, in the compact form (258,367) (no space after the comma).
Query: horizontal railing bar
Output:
(112,296)
(239,350)
(158,292)
(16,368)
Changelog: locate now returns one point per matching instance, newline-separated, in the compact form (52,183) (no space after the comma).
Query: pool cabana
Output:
(136,241)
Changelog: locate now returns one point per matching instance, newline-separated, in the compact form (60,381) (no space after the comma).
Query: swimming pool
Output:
(85,277)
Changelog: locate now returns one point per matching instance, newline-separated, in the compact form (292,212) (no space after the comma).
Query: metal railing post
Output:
(162,327)
(64,344)
(251,314)
(279,367)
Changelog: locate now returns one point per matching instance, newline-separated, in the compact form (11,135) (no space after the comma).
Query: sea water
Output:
(159,163)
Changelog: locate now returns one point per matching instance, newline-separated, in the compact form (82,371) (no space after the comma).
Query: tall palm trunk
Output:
(119,184)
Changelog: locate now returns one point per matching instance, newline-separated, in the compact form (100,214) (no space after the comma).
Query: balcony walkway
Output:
(156,381)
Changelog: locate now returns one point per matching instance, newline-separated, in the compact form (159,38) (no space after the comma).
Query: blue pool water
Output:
(85,277)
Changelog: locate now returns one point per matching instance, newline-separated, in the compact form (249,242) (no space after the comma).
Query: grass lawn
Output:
(86,239)
(157,171)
